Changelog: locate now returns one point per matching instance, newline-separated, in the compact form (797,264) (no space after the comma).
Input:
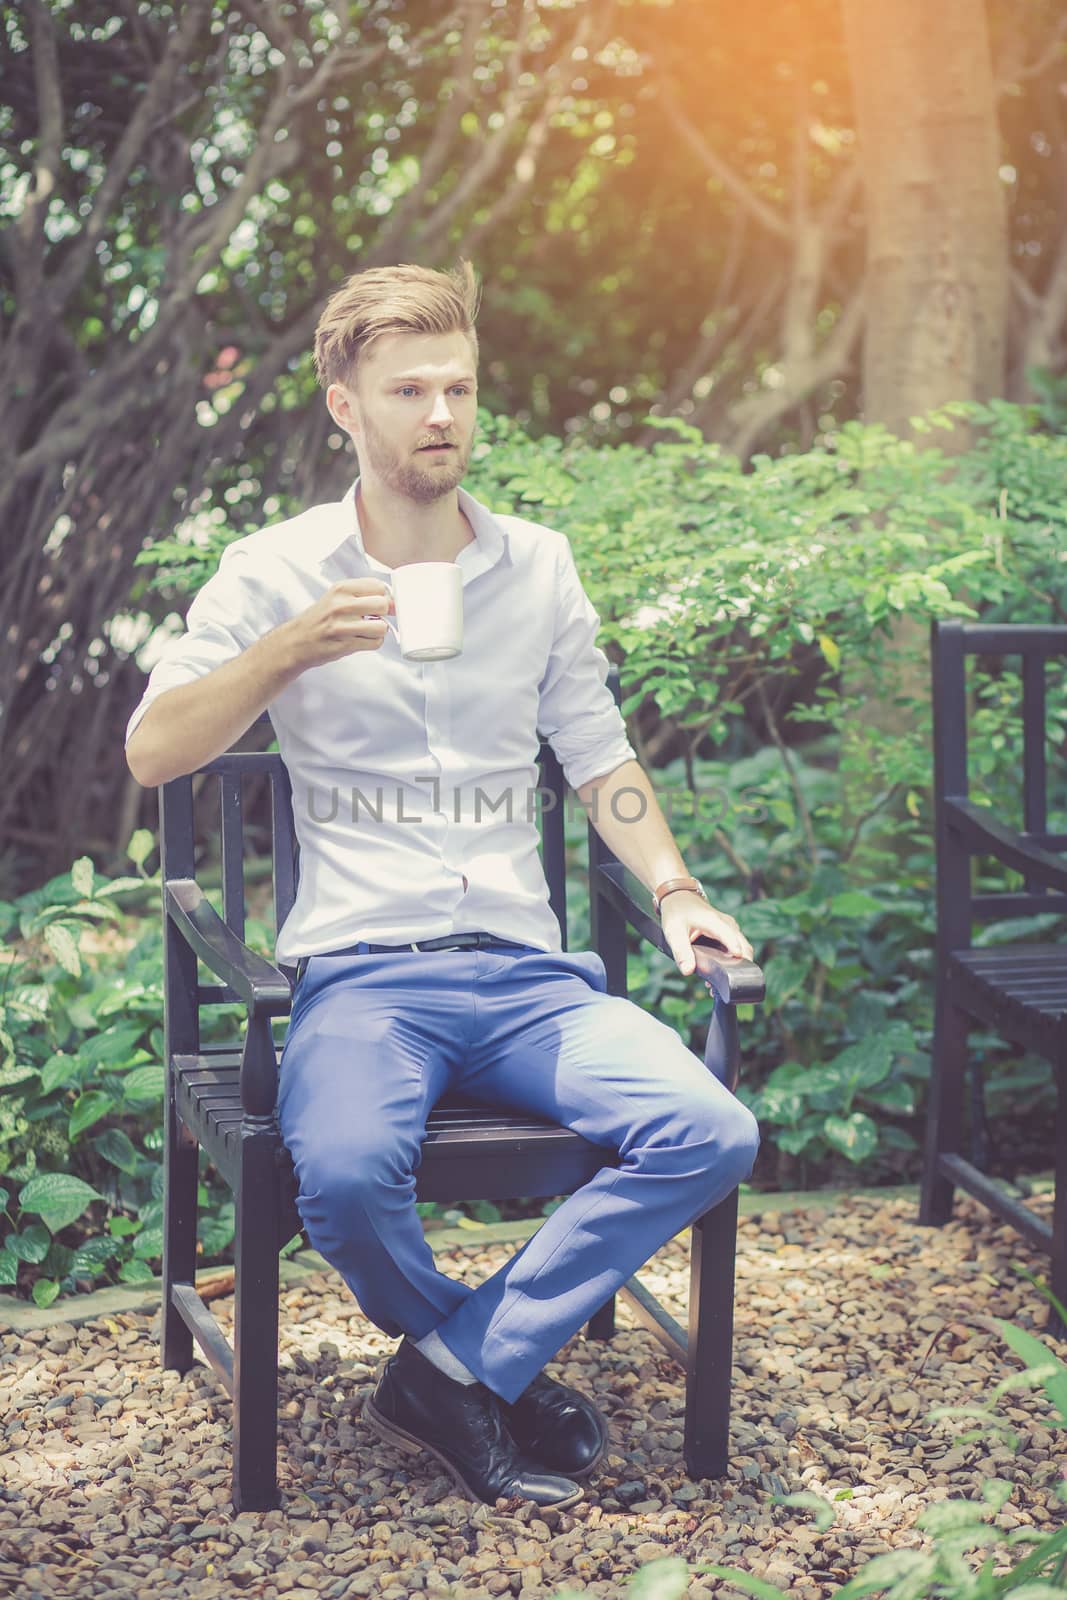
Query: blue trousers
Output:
(374,1040)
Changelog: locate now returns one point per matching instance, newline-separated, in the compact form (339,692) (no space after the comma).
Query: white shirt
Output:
(404,772)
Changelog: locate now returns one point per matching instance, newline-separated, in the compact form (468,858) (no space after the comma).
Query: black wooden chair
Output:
(1017,990)
(222,1097)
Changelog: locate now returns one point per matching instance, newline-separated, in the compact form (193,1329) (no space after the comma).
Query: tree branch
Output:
(718,167)
(147,113)
(523,174)
(28,238)
(752,415)
(495,147)
(435,159)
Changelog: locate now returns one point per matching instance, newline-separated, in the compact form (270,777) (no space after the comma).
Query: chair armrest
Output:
(258,983)
(981,833)
(732,979)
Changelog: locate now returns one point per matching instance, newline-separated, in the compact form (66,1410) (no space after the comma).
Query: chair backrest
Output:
(1035,645)
(228,773)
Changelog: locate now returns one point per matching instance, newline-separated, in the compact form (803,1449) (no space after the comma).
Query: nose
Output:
(441,414)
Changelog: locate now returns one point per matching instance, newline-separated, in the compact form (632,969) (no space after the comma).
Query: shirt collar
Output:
(489,546)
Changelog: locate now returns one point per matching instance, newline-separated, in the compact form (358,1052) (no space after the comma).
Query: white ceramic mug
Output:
(428,596)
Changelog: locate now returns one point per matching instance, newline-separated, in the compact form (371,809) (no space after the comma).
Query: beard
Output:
(405,474)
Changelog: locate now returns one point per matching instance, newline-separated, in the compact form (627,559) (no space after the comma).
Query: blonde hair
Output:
(402,299)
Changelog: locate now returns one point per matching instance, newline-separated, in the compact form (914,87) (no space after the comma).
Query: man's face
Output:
(411,410)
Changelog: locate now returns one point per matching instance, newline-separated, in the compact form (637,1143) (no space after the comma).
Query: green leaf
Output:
(890,1569)
(117,886)
(1037,1356)
(744,1580)
(15,1072)
(148,1245)
(57,1198)
(140,847)
(1037,1590)
(895,1096)
(855,1136)
(996,1492)
(950,1516)
(9,1268)
(821,1511)
(82,876)
(854,903)
(45,1290)
(863,1064)
(113,1047)
(58,1069)
(116,1146)
(89,1108)
(786,976)
(795,1140)
(30,1243)
(144,1083)
(216,1232)
(61,942)
(666,1579)
(93,1256)
(136,1272)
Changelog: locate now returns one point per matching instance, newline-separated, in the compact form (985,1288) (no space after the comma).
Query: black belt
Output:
(448,941)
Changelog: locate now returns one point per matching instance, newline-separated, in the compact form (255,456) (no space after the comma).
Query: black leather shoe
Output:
(416,1406)
(558,1428)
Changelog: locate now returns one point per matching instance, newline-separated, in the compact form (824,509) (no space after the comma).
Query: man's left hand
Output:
(684,916)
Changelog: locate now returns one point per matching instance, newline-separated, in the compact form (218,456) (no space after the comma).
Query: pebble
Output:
(115,1475)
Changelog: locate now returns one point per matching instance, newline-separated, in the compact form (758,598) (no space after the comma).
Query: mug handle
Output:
(386,621)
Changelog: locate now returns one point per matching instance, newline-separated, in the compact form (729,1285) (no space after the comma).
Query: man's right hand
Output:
(350,616)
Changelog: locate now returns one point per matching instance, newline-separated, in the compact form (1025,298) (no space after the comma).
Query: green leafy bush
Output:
(81,1088)
(771,629)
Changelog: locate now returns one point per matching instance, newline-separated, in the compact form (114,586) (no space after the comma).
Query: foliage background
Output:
(718,305)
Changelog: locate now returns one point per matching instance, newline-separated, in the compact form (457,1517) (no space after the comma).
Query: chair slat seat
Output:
(208,1096)
(1020,989)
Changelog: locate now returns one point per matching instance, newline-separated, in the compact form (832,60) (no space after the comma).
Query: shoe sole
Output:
(413,1445)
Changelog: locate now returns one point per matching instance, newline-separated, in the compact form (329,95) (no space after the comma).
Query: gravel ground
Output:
(852,1325)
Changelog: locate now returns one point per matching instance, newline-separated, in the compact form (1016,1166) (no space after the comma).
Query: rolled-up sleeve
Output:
(234,608)
(577,712)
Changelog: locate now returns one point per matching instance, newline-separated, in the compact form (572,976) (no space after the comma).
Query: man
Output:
(426,953)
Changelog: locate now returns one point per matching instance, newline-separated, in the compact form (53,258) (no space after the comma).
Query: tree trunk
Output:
(937,276)
(936,295)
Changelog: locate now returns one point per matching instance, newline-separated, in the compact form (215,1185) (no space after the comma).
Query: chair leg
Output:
(944,1117)
(711,1338)
(1058,1273)
(601,1324)
(255,1339)
(181,1178)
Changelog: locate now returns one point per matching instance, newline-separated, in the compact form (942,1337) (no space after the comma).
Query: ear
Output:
(341,409)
